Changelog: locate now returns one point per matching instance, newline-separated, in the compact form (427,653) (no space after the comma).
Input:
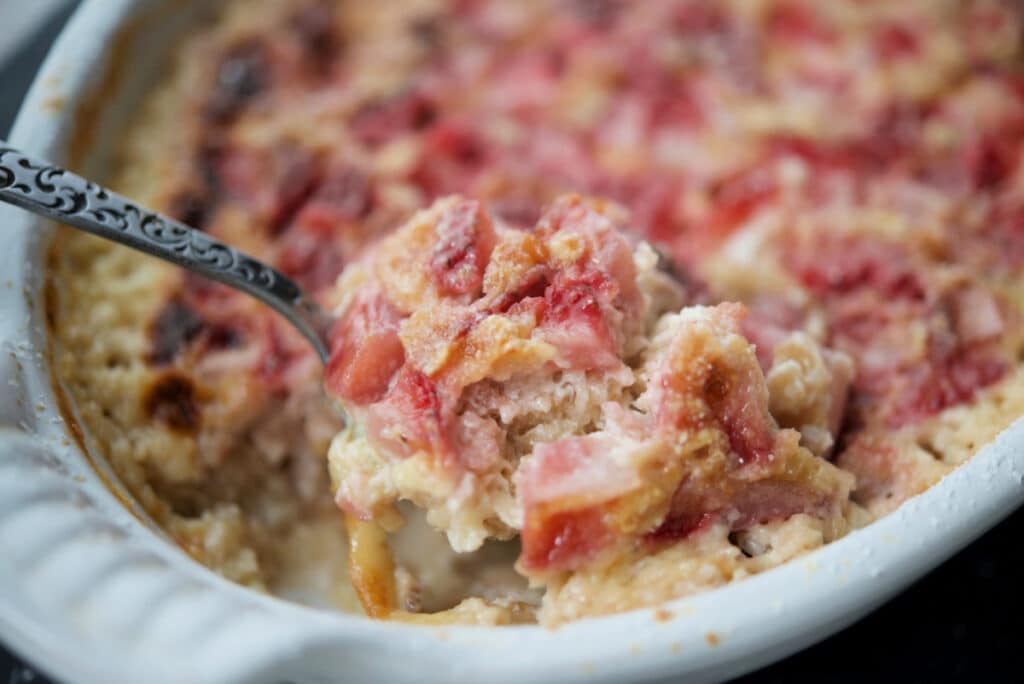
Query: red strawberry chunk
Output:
(944,381)
(574,320)
(699,19)
(732,390)
(465,238)
(736,400)
(874,297)
(590,303)
(453,155)
(379,122)
(897,40)
(992,159)
(365,350)
(563,540)
(565,488)
(574,469)
(695,506)
(653,202)
(411,418)
(794,23)
(280,352)
(312,247)
(738,198)
(838,265)
(312,259)
(274,182)
(344,195)
(1004,233)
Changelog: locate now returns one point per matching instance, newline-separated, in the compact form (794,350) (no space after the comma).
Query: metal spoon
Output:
(50,191)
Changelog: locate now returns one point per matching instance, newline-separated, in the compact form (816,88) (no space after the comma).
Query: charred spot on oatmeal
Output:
(219,337)
(192,207)
(243,74)
(171,400)
(717,385)
(175,326)
(314,25)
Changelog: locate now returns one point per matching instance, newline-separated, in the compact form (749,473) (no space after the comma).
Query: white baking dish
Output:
(89,592)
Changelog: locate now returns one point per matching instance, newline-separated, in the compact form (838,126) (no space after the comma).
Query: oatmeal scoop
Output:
(549,383)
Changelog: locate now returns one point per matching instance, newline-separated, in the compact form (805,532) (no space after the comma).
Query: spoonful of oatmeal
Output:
(552,385)
(548,384)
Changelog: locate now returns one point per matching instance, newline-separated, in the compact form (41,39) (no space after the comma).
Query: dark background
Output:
(963,622)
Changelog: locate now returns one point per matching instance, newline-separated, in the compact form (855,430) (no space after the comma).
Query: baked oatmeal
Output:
(793,307)
(546,383)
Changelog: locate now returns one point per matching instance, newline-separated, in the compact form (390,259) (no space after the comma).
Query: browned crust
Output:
(64,404)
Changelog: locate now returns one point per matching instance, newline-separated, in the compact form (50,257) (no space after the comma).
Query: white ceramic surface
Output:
(90,593)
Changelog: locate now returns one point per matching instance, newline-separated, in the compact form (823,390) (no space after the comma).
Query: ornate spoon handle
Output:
(50,191)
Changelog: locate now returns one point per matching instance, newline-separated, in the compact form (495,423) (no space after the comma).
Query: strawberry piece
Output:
(944,380)
(992,160)
(835,265)
(343,196)
(565,488)
(465,238)
(574,319)
(563,540)
(873,296)
(896,41)
(737,198)
(452,156)
(311,258)
(365,350)
(411,418)
(736,402)
(379,122)
(790,23)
